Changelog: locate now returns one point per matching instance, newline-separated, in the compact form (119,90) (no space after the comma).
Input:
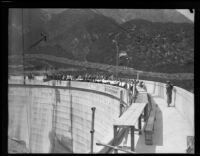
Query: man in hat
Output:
(169,88)
(142,85)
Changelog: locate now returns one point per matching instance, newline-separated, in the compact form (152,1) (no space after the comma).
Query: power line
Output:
(44,37)
(36,43)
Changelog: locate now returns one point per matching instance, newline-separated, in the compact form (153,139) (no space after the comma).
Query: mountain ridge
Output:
(87,36)
(124,15)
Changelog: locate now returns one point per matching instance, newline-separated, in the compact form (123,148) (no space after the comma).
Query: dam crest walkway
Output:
(170,131)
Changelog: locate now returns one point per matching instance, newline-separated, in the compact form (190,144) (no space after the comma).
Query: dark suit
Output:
(169,88)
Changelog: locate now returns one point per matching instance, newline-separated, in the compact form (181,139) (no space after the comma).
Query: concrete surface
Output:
(182,100)
(35,111)
(170,135)
(51,118)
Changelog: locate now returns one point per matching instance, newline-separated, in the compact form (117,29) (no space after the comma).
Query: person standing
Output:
(131,92)
(169,88)
(135,91)
(142,85)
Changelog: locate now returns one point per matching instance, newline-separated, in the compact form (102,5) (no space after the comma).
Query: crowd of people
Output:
(129,84)
(96,78)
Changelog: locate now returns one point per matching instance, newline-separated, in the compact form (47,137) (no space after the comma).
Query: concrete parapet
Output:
(182,100)
(39,111)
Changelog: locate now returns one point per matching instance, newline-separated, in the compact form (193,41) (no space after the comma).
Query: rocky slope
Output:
(88,35)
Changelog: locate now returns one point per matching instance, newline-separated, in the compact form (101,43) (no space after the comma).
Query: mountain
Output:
(152,15)
(33,24)
(87,35)
(124,15)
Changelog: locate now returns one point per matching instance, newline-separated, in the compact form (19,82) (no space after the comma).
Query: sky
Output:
(185,12)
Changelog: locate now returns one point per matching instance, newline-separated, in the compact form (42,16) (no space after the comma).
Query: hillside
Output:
(86,35)
(40,63)
(152,15)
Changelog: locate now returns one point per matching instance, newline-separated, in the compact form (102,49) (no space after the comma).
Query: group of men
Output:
(100,78)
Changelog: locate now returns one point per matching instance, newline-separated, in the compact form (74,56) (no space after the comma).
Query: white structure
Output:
(42,109)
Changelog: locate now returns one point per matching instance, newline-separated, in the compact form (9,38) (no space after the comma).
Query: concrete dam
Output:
(56,116)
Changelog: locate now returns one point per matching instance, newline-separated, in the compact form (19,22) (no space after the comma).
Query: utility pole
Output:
(23,45)
(137,76)
(117,55)
(92,128)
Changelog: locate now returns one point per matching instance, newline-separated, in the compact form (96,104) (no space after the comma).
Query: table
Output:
(129,119)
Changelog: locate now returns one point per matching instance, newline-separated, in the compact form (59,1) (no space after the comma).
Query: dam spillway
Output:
(41,111)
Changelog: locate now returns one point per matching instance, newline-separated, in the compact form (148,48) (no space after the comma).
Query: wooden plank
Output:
(151,119)
(150,126)
(115,147)
(149,138)
(130,117)
(146,113)
(110,140)
(150,123)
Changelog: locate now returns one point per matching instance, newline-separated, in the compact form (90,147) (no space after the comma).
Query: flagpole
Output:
(23,45)
(117,55)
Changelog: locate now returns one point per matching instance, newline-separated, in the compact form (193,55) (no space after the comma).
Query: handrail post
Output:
(132,138)
(92,128)
(115,138)
(121,104)
(140,125)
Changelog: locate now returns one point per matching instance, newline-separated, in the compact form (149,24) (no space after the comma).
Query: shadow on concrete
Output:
(60,143)
(174,99)
(158,129)
(141,147)
(17,146)
(120,136)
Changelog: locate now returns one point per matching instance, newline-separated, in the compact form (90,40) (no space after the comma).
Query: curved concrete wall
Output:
(184,103)
(39,110)
(36,109)
(181,99)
